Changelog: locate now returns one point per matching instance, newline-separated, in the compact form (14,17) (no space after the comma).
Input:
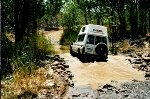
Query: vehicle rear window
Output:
(99,39)
(90,39)
(83,29)
(81,37)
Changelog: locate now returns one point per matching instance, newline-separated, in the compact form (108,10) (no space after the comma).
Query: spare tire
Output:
(101,49)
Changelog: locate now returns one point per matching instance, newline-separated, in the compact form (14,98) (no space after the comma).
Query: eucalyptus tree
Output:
(52,9)
(71,15)
(26,13)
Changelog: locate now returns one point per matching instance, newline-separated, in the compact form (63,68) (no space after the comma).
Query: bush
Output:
(6,54)
(68,37)
(24,56)
(43,47)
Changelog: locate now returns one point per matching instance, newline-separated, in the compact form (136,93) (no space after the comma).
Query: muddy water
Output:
(95,73)
(89,76)
(100,73)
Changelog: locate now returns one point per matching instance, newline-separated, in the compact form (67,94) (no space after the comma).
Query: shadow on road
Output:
(87,59)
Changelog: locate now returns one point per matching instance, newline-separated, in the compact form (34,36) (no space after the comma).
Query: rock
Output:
(45,62)
(26,95)
(62,68)
(61,60)
(148,67)
(50,71)
(49,57)
(146,59)
(48,84)
(42,94)
(123,90)
(62,63)
(126,95)
(133,55)
(56,58)
(107,86)
(76,95)
(54,67)
(70,76)
(59,71)
(55,63)
(137,61)
(145,55)
(100,90)
(134,80)
(66,66)
(147,74)
(143,67)
(136,66)
(71,84)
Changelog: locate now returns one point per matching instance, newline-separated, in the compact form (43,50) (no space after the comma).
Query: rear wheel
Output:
(79,54)
(71,52)
(102,50)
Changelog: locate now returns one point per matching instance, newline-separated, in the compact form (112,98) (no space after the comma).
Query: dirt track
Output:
(95,74)
(117,68)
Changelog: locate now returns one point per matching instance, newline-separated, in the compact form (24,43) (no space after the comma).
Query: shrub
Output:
(68,37)
(24,56)
(6,54)
(43,46)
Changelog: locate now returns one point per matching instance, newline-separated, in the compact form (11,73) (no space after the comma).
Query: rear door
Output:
(89,47)
(100,39)
(78,42)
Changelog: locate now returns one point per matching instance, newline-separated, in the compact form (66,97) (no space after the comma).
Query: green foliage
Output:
(72,19)
(6,54)
(43,46)
(68,37)
(52,9)
(20,17)
(71,15)
(24,56)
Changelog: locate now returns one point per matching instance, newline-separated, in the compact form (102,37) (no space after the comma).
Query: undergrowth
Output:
(21,60)
(24,56)
(69,36)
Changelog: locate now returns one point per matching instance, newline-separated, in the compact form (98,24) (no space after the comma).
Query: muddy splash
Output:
(117,68)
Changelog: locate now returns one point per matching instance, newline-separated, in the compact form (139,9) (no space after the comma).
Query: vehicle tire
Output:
(71,52)
(102,50)
(79,54)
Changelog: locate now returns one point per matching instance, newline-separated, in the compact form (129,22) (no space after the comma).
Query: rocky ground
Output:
(135,89)
(126,90)
(49,82)
(55,80)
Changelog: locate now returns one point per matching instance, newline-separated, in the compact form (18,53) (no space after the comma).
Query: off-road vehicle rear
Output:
(92,41)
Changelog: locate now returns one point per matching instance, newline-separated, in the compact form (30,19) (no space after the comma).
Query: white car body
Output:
(88,38)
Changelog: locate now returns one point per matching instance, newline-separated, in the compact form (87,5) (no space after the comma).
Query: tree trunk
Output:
(149,20)
(86,22)
(98,20)
(18,35)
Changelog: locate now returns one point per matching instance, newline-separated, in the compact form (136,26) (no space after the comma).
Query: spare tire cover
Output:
(101,49)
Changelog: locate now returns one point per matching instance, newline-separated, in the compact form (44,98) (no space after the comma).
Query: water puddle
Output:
(95,74)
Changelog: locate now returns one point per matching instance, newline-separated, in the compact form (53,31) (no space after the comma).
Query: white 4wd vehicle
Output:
(92,41)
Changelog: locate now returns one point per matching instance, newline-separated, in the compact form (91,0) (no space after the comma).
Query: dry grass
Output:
(24,83)
(125,46)
(11,37)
